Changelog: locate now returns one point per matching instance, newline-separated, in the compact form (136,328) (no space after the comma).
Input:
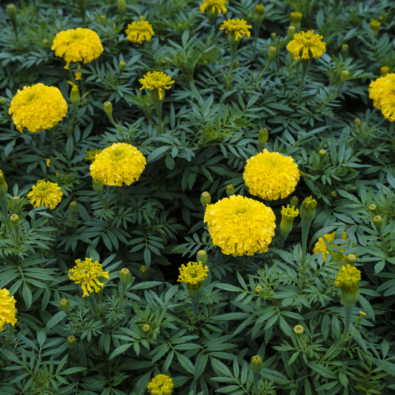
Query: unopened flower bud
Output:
(103,19)
(107,107)
(205,199)
(273,36)
(272,53)
(333,193)
(345,48)
(201,256)
(256,364)
(143,272)
(82,3)
(16,199)
(45,41)
(372,207)
(71,341)
(124,276)
(3,186)
(296,19)
(2,101)
(142,18)
(73,207)
(378,222)
(351,259)
(294,201)
(258,289)
(357,121)
(65,305)
(97,186)
(122,65)
(230,190)
(121,6)
(11,11)
(308,209)
(384,71)
(322,153)
(259,9)
(236,65)
(375,26)
(14,221)
(345,75)
(75,97)
(298,330)
(146,328)
(291,32)
(263,136)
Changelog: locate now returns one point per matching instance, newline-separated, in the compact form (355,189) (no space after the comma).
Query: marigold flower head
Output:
(156,81)
(45,193)
(139,31)
(240,226)
(320,246)
(7,309)
(289,213)
(161,385)
(77,45)
(86,273)
(37,108)
(296,16)
(193,274)
(214,6)
(381,89)
(92,153)
(271,175)
(120,163)
(308,43)
(348,278)
(388,107)
(238,27)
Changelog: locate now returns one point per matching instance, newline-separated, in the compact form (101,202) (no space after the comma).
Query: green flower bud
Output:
(74,207)
(345,75)
(65,306)
(296,19)
(291,32)
(294,201)
(3,185)
(298,330)
(124,276)
(384,71)
(201,256)
(142,18)
(378,222)
(259,9)
(72,342)
(97,186)
(230,190)
(75,97)
(333,193)
(121,6)
(122,65)
(256,364)
(11,11)
(205,199)
(15,221)
(103,19)
(45,41)
(258,289)
(107,107)
(272,53)
(144,272)
(322,153)
(351,259)
(375,26)
(16,199)
(273,36)
(357,121)
(263,136)
(372,207)
(146,328)
(308,209)
(2,101)
(345,48)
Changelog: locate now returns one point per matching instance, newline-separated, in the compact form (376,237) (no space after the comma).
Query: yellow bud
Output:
(11,11)
(73,207)
(298,330)
(291,32)
(258,289)
(121,6)
(205,199)
(345,48)
(124,276)
(75,96)
(45,41)
(146,328)
(273,36)
(65,305)
(72,341)
(322,153)
(122,65)
(372,207)
(259,9)
(201,257)
(256,364)
(230,190)
(263,136)
(384,71)
(357,121)
(272,53)
(107,107)
(378,222)
(15,221)
(375,26)
(2,101)
(345,75)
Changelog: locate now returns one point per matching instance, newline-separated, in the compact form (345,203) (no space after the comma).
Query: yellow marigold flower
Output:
(381,89)
(7,309)
(375,26)
(240,226)
(193,275)
(214,6)
(48,162)
(37,107)
(156,81)
(238,27)
(161,385)
(92,153)
(120,163)
(296,16)
(289,213)
(271,175)
(298,329)
(139,31)
(45,193)
(86,274)
(348,278)
(388,107)
(320,246)
(77,45)
(309,43)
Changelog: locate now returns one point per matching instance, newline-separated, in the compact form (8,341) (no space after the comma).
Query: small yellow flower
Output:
(308,43)
(92,153)
(271,175)
(320,246)
(86,273)
(375,26)
(238,27)
(45,193)
(298,329)
(120,163)
(289,213)
(348,278)
(193,275)
(77,45)
(296,16)
(156,81)
(48,162)
(214,6)
(240,226)
(7,309)
(37,108)
(139,31)
(161,385)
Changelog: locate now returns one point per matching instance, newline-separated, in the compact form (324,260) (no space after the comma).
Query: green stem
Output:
(264,70)
(256,383)
(158,105)
(305,233)
(385,248)
(233,50)
(348,313)
(4,207)
(92,301)
(305,65)
(331,97)
(195,306)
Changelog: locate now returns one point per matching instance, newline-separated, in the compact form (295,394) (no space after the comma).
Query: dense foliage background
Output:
(211,125)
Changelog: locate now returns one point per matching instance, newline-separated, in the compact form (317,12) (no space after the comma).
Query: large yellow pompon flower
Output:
(77,45)
(320,246)
(120,163)
(45,193)
(238,27)
(271,175)
(156,81)
(240,226)
(37,108)
(309,43)
(348,278)
(381,89)
(139,31)
(193,275)
(161,385)
(388,107)
(214,6)
(7,309)
(86,274)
